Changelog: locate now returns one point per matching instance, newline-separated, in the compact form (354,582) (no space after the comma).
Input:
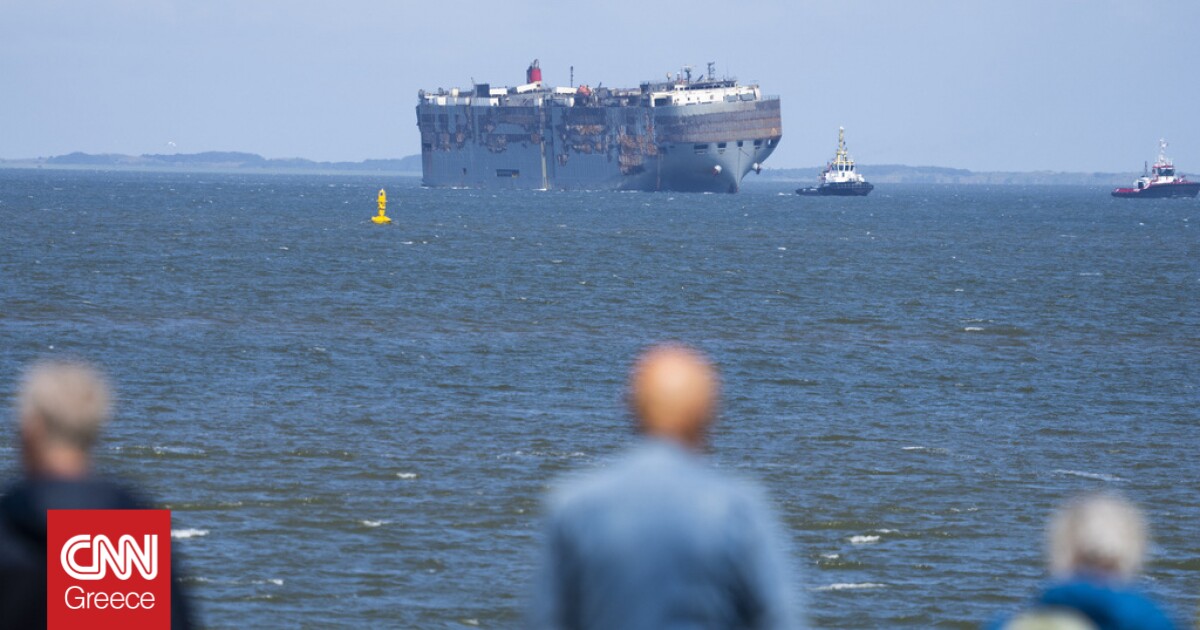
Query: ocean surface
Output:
(355,425)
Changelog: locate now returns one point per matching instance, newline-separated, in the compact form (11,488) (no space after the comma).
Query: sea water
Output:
(356,424)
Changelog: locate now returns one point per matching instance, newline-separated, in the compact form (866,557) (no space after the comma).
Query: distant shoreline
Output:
(215,169)
(410,166)
(216,162)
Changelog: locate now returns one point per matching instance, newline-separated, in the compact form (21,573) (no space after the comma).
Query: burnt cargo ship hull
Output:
(572,144)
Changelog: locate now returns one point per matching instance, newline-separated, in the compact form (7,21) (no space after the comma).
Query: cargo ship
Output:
(683,134)
(1160,182)
(839,178)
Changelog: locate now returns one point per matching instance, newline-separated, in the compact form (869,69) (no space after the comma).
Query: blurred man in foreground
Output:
(660,540)
(1096,548)
(61,407)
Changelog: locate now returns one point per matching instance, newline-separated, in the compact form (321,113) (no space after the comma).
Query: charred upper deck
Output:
(678,135)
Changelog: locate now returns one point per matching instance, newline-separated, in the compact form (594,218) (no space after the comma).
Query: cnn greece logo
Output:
(122,558)
(108,569)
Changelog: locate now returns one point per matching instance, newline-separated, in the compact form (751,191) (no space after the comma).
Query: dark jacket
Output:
(23,544)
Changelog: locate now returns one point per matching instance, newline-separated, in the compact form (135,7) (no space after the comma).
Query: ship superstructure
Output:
(684,134)
(1162,181)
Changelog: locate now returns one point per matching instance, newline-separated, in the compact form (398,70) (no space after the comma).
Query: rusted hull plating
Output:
(692,148)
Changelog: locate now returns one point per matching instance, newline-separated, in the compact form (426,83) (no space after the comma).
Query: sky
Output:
(1070,85)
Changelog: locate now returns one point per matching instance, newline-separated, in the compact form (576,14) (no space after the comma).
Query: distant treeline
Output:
(901,174)
(218,160)
(236,161)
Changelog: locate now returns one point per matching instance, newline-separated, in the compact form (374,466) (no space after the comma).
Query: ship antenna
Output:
(711,73)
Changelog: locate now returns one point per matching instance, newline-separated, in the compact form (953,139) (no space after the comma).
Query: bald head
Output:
(673,392)
(62,406)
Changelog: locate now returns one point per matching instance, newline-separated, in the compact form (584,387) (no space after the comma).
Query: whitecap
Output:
(831,556)
(177,450)
(1089,475)
(847,586)
(888,531)
(973,329)
(367,523)
(188,533)
(863,540)
(914,448)
(406,475)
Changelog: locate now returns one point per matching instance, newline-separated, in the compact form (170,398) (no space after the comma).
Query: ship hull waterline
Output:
(855,189)
(1160,191)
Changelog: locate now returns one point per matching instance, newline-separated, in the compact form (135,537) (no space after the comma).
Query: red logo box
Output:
(108,569)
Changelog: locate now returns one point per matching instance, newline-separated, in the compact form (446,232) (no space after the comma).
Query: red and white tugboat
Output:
(1161,181)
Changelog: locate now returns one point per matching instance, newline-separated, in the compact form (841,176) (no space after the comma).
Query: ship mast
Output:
(843,156)
(1162,151)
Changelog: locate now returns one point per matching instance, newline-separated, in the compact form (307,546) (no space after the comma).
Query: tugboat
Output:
(839,177)
(1161,181)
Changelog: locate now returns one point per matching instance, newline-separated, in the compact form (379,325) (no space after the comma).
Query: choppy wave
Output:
(849,586)
(162,451)
(188,533)
(1089,475)
(863,540)
(923,449)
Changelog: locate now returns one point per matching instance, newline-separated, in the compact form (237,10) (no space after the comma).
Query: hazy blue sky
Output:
(1012,84)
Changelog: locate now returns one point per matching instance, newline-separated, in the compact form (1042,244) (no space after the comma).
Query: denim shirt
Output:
(660,540)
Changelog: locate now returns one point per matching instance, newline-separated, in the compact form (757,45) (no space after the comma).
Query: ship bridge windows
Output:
(662,101)
(721,147)
(700,149)
(1166,172)
(758,143)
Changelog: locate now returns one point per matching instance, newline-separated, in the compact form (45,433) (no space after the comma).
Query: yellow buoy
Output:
(382,217)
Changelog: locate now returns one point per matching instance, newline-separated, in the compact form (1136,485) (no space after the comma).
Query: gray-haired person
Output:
(61,408)
(1096,547)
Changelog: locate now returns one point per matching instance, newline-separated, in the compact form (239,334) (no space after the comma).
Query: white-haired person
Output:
(61,408)
(1096,547)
